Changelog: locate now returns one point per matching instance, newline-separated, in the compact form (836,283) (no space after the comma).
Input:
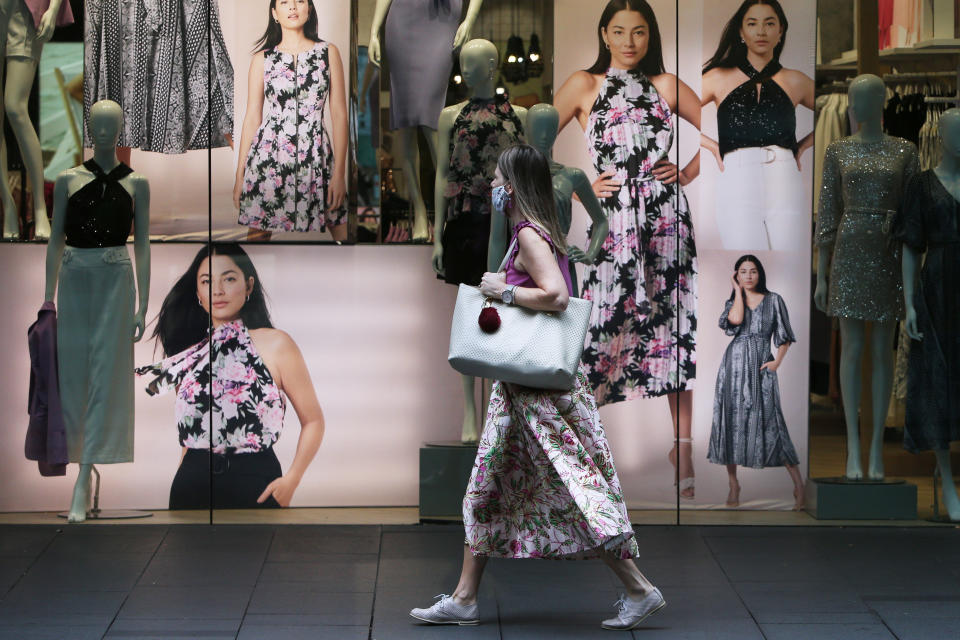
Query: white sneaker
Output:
(447,611)
(632,612)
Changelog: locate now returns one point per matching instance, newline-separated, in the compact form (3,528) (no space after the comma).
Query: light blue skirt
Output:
(95,309)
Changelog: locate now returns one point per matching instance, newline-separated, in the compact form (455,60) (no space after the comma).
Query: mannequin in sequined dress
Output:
(761,199)
(642,333)
(858,274)
(95,207)
(929,228)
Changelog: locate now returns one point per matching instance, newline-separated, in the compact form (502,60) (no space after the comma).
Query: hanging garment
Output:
(289,169)
(930,224)
(483,129)
(95,306)
(862,189)
(543,483)
(151,57)
(46,440)
(642,332)
(748,425)
(418,40)
(831,121)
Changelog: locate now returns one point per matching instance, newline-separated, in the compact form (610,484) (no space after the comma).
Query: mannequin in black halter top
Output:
(101,309)
(761,200)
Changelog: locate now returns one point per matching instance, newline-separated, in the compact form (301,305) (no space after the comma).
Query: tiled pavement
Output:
(347,583)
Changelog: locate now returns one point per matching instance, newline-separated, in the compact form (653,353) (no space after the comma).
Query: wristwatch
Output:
(507,294)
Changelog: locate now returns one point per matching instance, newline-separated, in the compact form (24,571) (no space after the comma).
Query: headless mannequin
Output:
(948,172)
(21,72)
(867,93)
(407,149)
(106,120)
(478,64)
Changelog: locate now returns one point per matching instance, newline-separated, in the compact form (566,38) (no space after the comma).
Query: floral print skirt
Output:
(544,484)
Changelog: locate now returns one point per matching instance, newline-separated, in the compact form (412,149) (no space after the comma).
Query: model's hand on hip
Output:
(605,185)
(281,489)
(493,284)
(665,171)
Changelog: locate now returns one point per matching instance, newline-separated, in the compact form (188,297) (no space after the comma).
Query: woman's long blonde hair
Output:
(528,171)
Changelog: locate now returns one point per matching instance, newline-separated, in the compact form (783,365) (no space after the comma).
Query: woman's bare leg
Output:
(634,582)
(470,575)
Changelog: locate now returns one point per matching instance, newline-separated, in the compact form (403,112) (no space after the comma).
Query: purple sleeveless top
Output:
(522,278)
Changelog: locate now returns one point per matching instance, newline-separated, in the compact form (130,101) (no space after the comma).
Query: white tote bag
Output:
(539,349)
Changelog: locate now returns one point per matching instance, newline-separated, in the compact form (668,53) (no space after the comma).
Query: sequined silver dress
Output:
(863,184)
(748,426)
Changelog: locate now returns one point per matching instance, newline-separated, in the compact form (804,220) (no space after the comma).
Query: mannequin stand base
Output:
(444,472)
(111,514)
(844,499)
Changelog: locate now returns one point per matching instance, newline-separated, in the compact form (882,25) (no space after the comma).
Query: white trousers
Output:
(761,202)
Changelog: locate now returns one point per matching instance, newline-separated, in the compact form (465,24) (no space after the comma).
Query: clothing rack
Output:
(913,76)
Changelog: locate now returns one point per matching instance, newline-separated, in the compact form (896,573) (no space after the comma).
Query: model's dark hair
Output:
(652,62)
(272,36)
(731,50)
(761,275)
(528,171)
(182,321)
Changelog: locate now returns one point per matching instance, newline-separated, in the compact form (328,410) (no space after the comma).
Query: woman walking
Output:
(543,484)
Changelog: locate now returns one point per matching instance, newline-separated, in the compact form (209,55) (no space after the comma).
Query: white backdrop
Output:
(640,431)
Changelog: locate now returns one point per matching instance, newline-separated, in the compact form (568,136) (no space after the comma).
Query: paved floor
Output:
(345,583)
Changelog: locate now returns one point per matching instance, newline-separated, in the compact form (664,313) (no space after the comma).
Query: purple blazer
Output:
(39,7)
(46,435)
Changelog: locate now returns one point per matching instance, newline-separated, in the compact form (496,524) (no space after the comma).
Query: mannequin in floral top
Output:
(255,368)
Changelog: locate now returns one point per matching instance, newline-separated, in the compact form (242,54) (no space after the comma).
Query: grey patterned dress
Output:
(150,56)
(748,425)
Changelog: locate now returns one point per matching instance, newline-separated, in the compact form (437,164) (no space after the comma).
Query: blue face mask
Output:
(500,198)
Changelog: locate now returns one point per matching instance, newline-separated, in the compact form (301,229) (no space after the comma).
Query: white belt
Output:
(757,155)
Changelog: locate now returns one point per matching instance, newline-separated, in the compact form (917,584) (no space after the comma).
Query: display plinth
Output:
(444,472)
(844,499)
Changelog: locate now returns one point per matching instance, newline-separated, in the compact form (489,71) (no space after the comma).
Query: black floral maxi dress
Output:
(642,330)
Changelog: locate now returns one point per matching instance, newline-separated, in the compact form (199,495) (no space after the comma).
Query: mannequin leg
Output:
(881,344)
(681,413)
(469,431)
(408,153)
(81,495)
(20,75)
(950,498)
(11,217)
(851,349)
(733,498)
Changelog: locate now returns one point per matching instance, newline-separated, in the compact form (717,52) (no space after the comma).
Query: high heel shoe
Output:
(686,485)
